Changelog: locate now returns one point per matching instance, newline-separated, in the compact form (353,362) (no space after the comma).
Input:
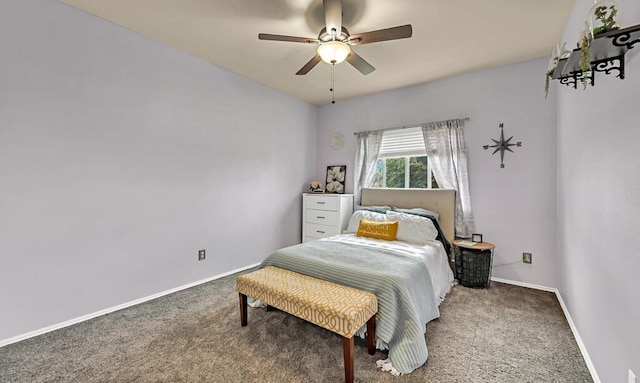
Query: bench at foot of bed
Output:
(340,309)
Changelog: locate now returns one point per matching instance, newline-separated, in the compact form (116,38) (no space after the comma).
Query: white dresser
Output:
(324,215)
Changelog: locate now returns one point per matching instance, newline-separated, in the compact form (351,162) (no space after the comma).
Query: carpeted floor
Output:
(502,334)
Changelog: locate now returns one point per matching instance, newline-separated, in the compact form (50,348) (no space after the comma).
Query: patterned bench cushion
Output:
(337,308)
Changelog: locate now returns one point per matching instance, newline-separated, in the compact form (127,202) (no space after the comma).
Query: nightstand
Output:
(324,215)
(473,263)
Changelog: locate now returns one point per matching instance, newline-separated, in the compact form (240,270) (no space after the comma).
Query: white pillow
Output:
(354,221)
(413,228)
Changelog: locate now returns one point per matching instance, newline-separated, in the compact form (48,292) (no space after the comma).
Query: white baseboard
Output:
(574,329)
(83,318)
(523,284)
(583,348)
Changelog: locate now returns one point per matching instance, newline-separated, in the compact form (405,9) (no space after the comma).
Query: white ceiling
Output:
(449,37)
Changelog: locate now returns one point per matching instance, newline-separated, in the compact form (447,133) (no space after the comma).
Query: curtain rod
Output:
(409,126)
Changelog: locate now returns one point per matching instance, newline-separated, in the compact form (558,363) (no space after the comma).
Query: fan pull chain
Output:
(333,94)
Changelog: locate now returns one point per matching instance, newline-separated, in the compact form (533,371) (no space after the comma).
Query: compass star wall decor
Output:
(502,145)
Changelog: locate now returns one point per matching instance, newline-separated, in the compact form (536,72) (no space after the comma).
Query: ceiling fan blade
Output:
(395,33)
(359,63)
(292,39)
(309,65)
(333,16)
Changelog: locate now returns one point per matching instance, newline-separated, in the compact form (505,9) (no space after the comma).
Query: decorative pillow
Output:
(378,230)
(358,215)
(413,228)
(377,209)
(418,211)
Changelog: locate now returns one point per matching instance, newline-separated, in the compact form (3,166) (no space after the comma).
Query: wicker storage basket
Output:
(473,267)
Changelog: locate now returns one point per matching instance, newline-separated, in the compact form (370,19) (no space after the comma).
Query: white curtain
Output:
(447,156)
(367,150)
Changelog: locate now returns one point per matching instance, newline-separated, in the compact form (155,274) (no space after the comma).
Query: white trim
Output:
(574,330)
(583,348)
(83,318)
(572,326)
(523,284)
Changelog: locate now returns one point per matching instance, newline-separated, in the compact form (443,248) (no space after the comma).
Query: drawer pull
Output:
(320,202)
(317,216)
(318,231)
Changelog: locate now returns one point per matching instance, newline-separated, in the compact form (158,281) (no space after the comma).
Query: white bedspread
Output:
(409,280)
(432,254)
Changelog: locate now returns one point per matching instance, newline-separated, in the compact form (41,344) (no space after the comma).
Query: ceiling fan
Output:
(335,42)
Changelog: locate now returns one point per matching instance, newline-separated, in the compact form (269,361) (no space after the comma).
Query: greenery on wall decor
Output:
(601,48)
(559,53)
(602,18)
(585,56)
(547,80)
(605,14)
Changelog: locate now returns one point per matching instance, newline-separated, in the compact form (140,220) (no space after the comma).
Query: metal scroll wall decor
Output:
(502,145)
(601,49)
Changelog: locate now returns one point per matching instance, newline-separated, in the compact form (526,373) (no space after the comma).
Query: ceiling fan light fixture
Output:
(333,52)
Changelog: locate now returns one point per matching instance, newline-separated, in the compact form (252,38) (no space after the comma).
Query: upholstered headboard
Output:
(442,201)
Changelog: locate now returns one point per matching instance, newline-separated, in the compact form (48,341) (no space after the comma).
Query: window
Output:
(403,162)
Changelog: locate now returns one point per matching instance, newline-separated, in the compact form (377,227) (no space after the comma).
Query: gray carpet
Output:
(502,334)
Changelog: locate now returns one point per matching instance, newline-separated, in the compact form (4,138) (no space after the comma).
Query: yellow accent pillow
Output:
(377,230)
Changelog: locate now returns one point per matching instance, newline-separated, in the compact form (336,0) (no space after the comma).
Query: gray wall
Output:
(599,207)
(121,157)
(514,207)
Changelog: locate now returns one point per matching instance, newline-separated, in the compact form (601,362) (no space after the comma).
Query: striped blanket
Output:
(401,282)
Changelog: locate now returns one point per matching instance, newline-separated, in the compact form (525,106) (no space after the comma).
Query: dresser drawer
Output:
(320,231)
(323,202)
(323,217)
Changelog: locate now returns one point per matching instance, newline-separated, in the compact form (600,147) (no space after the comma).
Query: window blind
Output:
(406,142)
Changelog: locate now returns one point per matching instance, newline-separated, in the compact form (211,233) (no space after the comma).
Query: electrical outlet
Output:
(632,377)
(201,255)
(527,258)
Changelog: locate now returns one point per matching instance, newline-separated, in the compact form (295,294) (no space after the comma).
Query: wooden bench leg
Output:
(348,346)
(243,309)
(371,335)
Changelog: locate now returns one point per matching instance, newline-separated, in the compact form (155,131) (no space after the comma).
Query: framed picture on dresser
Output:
(336,176)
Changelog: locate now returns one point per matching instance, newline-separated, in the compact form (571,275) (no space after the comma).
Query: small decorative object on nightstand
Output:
(316,187)
(473,262)
(336,177)
(477,238)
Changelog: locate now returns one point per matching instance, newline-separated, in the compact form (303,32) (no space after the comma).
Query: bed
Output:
(410,279)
